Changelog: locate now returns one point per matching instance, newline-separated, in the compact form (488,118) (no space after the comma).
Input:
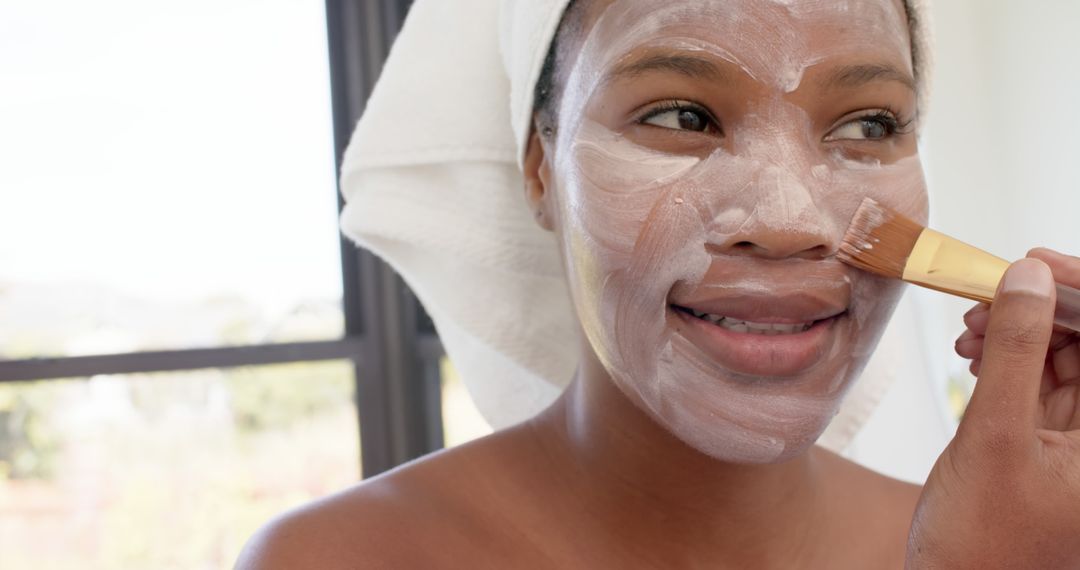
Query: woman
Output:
(697,163)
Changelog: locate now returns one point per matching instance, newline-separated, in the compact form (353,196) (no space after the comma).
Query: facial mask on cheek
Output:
(639,226)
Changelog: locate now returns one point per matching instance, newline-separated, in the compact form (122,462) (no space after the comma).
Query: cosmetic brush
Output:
(887,243)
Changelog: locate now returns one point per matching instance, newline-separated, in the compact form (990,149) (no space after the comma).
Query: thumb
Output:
(1006,398)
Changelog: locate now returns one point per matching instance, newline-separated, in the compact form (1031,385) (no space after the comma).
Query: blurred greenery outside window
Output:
(167,470)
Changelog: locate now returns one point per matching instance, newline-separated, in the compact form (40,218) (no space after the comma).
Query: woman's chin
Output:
(731,444)
(746,420)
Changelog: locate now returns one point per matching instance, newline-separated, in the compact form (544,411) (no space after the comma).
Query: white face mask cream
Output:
(702,262)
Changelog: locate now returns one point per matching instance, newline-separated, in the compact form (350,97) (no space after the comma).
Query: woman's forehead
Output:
(589,11)
(772,41)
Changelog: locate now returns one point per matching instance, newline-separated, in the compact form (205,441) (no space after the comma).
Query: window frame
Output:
(388,336)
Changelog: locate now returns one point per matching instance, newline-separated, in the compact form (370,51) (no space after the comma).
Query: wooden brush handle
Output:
(1067,312)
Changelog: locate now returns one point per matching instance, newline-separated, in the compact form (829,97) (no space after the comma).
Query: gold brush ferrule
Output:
(949,265)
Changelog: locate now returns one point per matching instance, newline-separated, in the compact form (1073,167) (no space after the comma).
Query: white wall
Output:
(1002,145)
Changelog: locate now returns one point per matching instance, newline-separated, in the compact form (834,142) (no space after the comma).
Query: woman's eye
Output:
(877,127)
(681,119)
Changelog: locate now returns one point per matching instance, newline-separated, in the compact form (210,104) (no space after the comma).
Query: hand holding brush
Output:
(1005,493)
(885,242)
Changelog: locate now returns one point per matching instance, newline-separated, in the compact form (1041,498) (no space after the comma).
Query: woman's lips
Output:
(756,354)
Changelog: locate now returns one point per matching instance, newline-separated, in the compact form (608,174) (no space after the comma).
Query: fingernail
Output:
(977,320)
(1053,253)
(1028,276)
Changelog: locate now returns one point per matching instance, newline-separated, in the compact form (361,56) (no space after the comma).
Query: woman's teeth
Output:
(767,329)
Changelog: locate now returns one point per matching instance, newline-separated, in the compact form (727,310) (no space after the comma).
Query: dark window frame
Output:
(388,337)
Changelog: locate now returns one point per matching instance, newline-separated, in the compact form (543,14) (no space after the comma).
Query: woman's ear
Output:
(538,189)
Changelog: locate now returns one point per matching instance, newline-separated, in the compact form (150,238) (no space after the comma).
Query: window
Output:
(168,176)
(187,346)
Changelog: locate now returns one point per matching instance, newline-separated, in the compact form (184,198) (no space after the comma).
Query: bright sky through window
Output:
(168,150)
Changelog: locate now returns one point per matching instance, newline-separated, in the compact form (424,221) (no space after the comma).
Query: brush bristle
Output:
(879,240)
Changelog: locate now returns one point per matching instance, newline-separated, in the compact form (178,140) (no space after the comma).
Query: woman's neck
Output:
(660,494)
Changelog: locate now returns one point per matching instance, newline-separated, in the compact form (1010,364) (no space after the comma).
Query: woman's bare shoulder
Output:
(875,507)
(396,520)
(855,478)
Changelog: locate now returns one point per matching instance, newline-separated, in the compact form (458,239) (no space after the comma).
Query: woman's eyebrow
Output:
(850,76)
(683,64)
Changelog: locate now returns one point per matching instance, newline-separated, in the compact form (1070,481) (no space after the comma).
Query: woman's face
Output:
(709,157)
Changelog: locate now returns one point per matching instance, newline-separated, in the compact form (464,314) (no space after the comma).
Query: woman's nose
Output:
(784,221)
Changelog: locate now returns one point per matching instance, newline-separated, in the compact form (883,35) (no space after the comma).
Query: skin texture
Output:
(668,451)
